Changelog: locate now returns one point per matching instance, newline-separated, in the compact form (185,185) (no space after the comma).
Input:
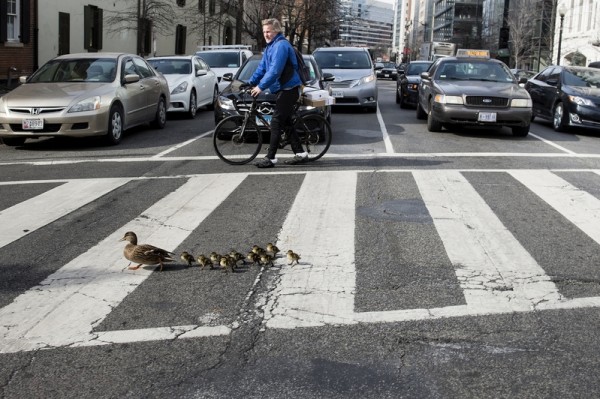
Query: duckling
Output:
(254,258)
(227,264)
(266,259)
(203,261)
(293,257)
(237,257)
(257,250)
(144,254)
(187,258)
(215,258)
(272,249)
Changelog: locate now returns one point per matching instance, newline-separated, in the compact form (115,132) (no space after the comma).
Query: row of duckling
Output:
(146,254)
(234,259)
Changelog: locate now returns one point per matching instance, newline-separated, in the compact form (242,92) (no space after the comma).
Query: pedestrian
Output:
(278,72)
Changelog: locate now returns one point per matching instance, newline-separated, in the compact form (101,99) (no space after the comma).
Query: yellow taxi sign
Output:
(464,52)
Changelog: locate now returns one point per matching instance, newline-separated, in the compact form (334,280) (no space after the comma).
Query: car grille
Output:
(341,85)
(34,111)
(485,101)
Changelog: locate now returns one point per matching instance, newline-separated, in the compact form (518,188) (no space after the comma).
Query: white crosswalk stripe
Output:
(494,271)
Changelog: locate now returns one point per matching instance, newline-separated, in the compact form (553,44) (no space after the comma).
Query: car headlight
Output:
(581,101)
(226,104)
(444,99)
(520,103)
(89,104)
(181,88)
(413,86)
(363,80)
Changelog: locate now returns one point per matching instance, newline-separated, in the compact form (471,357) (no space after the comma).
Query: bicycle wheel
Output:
(235,143)
(315,135)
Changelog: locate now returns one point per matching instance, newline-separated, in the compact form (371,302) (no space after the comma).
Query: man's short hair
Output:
(274,23)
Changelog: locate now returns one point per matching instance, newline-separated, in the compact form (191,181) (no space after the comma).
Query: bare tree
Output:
(521,21)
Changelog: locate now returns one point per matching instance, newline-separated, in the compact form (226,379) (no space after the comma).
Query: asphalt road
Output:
(433,265)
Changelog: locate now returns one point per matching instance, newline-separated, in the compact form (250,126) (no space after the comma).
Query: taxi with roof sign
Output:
(472,89)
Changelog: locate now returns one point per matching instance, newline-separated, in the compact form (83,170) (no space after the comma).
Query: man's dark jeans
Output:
(284,108)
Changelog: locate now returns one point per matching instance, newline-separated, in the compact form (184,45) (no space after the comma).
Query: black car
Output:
(386,70)
(407,85)
(230,102)
(569,96)
(472,89)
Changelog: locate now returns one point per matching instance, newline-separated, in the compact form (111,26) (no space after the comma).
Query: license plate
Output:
(487,117)
(265,117)
(338,94)
(387,75)
(33,124)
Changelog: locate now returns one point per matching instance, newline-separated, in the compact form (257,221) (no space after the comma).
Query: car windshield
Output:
(220,59)
(172,66)
(474,70)
(76,70)
(246,71)
(389,65)
(417,68)
(342,59)
(582,78)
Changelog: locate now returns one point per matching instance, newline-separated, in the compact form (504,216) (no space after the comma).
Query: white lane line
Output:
(180,145)
(34,213)
(320,227)
(493,269)
(553,144)
(66,306)
(578,206)
(389,149)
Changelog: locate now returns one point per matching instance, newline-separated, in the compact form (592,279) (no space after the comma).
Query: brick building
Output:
(18,53)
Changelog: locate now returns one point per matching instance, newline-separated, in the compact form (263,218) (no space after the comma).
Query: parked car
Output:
(230,102)
(569,96)
(87,94)
(473,90)
(355,82)
(407,85)
(523,73)
(191,81)
(224,59)
(387,70)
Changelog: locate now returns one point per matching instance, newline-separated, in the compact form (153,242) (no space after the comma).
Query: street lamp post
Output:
(562,11)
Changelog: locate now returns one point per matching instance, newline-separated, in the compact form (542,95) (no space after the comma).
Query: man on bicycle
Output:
(285,83)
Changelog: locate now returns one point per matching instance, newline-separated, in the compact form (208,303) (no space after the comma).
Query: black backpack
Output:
(303,69)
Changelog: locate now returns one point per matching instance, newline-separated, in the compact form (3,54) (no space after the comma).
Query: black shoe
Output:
(264,163)
(296,160)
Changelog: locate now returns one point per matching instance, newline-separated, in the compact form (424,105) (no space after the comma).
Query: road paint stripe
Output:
(389,148)
(180,145)
(493,269)
(154,334)
(319,227)
(550,143)
(66,306)
(579,207)
(34,213)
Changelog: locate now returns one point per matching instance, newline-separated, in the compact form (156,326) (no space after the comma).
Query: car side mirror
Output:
(228,77)
(523,79)
(552,82)
(201,72)
(328,77)
(131,78)
(425,75)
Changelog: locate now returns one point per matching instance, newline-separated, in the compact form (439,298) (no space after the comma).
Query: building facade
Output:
(367,23)
(580,42)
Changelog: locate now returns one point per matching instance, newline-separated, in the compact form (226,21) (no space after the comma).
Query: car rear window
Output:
(220,60)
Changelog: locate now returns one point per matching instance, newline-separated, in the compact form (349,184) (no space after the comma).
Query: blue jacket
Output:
(271,66)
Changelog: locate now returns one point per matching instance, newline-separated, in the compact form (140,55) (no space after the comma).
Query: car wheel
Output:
(160,120)
(421,114)
(193,105)
(13,141)
(520,131)
(115,126)
(559,118)
(433,125)
(211,106)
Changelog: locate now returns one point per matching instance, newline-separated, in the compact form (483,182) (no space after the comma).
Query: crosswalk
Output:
(495,270)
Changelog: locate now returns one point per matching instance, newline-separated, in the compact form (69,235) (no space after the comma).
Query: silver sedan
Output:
(87,94)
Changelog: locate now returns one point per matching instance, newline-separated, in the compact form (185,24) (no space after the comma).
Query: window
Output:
(202,6)
(12,20)
(181,3)
(211,7)
(92,25)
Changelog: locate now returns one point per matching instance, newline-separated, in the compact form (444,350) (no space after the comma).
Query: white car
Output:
(224,59)
(191,81)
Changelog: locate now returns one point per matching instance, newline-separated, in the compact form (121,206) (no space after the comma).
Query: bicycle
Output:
(238,138)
